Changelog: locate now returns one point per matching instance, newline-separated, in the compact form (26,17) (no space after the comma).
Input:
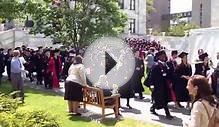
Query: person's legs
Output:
(152,109)
(167,112)
(20,87)
(128,105)
(0,78)
(70,106)
(140,95)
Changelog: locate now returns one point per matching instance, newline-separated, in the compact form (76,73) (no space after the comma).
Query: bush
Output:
(28,119)
(11,117)
(7,104)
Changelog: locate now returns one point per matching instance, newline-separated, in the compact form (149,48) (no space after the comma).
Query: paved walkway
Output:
(140,111)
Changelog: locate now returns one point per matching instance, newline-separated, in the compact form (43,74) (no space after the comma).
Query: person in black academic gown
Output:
(182,73)
(172,64)
(202,66)
(2,64)
(158,82)
(138,74)
(39,68)
(8,58)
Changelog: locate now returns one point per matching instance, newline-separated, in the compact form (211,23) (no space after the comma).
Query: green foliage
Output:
(150,7)
(28,119)
(10,116)
(81,24)
(7,104)
(180,29)
(9,9)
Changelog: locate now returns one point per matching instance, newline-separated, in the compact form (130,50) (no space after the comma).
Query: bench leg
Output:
(84,104)
(103,113)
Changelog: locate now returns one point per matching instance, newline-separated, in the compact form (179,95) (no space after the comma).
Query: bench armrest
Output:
(112,96)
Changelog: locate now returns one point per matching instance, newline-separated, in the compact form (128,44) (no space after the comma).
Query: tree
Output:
(81,24)
(9,9)
(150,7)
(180,29)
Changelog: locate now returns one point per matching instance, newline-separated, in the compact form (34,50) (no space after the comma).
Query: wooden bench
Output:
(94,96)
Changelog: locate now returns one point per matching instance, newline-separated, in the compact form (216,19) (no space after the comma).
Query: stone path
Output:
(140,111)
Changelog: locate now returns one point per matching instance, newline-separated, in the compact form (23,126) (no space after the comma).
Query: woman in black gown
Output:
(182,73)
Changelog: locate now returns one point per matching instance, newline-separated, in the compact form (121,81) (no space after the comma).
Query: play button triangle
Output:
(109,63)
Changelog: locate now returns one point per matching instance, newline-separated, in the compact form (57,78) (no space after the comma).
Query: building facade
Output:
(156,19)
(205,13)
(136,11)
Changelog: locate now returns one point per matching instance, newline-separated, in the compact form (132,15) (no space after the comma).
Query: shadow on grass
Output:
(133,110)
(78,118)
(175,121)
(180,110)
(95,117)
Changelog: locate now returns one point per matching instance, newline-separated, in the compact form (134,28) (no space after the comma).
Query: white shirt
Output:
(76,73)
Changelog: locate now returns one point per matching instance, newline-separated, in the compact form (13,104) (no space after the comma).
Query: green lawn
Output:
(54,104)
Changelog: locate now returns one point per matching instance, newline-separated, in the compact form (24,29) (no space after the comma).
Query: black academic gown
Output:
(158,78)
(201,69)
(2,64)
(182,94)
(137,76)
(39,66)
(8,65)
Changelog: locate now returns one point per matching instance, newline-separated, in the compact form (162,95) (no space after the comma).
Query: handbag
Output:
(213,120)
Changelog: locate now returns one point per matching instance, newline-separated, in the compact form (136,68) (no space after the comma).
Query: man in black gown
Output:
(158,79)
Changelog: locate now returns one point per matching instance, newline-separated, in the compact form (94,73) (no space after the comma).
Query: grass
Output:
(55,104)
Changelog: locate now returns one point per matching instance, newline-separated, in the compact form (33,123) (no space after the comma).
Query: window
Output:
(201,12)
(132,26)
(132,4)
(121,4)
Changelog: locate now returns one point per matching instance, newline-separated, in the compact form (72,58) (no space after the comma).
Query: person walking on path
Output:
(16,74)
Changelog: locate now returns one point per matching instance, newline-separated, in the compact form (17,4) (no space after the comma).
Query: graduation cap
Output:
(182,54)
(1,49)
(40,47)
(174,52)
(56,50)
(17,48)
(47,50)
(202,56)
(161,52)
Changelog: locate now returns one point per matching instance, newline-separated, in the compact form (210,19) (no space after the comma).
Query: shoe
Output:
(129,106)
(169,117)
(153,111)
(141,98)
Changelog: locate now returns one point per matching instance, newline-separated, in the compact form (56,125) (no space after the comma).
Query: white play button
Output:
(111,57)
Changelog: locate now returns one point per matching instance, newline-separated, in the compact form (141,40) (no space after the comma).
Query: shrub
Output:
(28,119)
(11,117)
(7,104)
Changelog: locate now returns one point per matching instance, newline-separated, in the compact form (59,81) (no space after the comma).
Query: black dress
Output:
(182,94)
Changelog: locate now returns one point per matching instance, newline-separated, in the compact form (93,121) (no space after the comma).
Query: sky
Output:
(181,6)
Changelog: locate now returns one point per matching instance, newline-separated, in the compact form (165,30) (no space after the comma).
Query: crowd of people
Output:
(168,80)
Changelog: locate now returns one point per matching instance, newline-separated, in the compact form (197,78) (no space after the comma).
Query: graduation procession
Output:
(167,76)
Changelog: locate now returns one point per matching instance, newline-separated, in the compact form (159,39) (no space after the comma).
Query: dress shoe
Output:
(169,117)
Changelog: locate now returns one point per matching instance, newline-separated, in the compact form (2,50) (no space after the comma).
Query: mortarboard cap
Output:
(174,52)
(182,54)
(161,52)
(202,56)
(1,49)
